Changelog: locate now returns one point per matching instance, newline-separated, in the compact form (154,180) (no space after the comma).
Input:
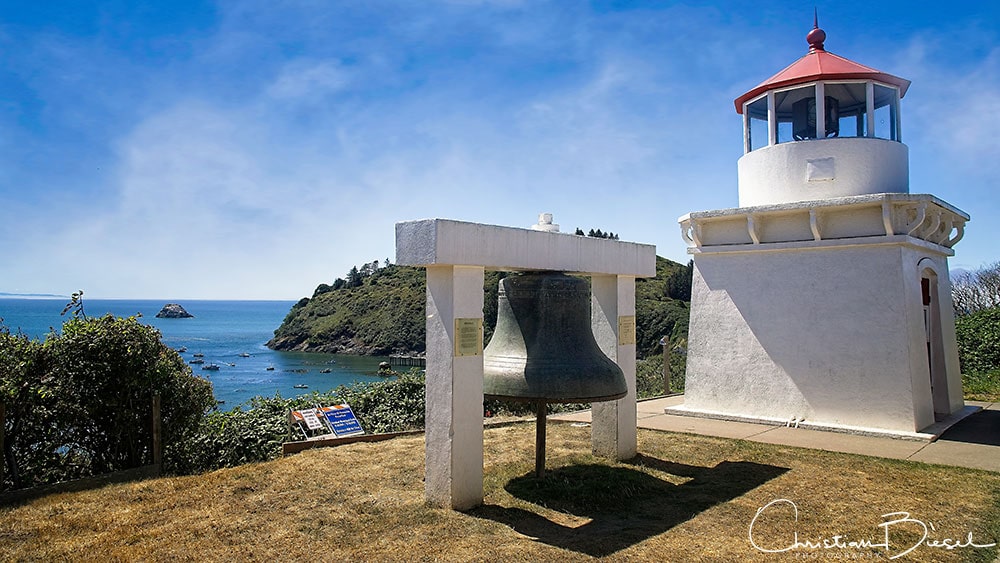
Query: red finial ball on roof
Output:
(816,38)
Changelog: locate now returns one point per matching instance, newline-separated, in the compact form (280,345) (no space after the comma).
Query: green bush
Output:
(255,433)
(649,375)
(978,337)
(80,404)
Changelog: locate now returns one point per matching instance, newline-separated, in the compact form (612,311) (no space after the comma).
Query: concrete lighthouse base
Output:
(832,314)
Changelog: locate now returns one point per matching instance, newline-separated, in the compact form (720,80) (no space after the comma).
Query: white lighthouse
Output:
(823,300)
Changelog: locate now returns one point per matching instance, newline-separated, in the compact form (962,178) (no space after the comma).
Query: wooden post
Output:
(666,364)
(157,443)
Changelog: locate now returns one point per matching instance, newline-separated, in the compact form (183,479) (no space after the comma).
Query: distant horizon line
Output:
(53,296)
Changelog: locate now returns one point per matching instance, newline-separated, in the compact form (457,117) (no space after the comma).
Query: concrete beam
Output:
(430,242)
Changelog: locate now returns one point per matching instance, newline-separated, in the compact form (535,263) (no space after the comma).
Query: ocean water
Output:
(223,331)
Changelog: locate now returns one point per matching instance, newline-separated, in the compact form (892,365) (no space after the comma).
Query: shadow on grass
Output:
(624,505)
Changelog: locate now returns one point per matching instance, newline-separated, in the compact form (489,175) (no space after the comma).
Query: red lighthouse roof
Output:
(818,64)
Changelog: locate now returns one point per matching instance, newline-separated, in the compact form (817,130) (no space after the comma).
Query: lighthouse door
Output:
(933,343)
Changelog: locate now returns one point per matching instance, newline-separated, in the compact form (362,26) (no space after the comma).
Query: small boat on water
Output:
(198,355)
(230,364)
(300,386)
(269,368)
(244,355)
(182,349)
(211,367)
(197,361)
(326,370)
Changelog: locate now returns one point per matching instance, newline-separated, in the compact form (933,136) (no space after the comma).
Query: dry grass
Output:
(686,498)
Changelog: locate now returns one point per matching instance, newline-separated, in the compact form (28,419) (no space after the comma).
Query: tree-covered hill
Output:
(374,314)
(662,306)
(380,310)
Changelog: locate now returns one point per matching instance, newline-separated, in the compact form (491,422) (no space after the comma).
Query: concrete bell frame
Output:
(456,255)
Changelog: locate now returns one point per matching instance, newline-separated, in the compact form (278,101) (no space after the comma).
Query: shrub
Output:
(978,337)
(255,433)
(80,403)
(649,374)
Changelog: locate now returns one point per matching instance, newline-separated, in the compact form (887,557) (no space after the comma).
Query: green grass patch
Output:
(982,386)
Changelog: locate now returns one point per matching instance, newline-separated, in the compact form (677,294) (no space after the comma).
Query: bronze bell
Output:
(543,349)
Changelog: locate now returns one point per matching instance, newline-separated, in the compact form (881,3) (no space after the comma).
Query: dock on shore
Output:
(408,361)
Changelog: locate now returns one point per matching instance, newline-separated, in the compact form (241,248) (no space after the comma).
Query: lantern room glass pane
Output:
(756,113)
(851,107)
(796,113)
(886,113)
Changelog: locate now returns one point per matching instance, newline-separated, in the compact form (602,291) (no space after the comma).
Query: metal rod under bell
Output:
(540,411)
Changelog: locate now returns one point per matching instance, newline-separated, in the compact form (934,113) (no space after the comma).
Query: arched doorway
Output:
(934,342)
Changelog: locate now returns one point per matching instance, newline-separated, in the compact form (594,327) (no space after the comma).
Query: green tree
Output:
(679,282)
(354,278)
(977,290)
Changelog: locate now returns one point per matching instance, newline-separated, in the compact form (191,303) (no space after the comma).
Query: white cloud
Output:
(952,105)
(312,80)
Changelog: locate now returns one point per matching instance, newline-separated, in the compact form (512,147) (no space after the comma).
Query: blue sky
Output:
(254,149)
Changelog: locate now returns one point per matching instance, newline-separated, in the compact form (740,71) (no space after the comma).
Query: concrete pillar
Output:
(613,431)
(453,453)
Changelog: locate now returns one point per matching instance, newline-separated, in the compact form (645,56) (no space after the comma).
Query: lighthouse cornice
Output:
(922,219)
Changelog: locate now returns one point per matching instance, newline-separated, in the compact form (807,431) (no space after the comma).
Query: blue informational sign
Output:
(343,421)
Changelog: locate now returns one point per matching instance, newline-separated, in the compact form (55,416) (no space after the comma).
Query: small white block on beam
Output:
(431,242)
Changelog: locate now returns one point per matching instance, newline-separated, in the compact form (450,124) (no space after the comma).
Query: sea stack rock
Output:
(173,311)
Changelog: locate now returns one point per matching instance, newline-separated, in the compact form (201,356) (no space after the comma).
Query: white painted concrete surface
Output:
(613,432)
(453,453)
(444,241)
(830,334)
(821,169)
(915,216)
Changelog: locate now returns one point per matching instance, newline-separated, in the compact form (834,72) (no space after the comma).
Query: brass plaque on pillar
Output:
(468,337)
(626,330)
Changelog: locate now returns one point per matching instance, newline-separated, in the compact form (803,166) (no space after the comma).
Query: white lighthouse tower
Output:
(824,300)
